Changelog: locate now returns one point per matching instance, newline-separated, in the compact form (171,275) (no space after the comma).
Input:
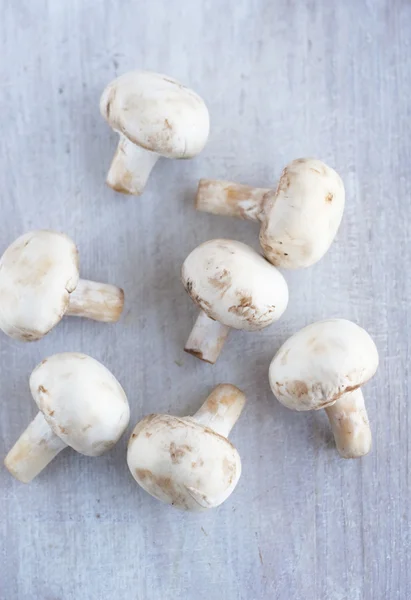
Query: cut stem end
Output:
(207,338)
(350,425)
(130,168)
(33,451)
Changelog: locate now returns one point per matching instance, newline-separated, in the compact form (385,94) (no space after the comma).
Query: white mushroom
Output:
(81,404)
(299,220)
(155,116)
(323,366)
(189,462)
(39,284)
(235,288)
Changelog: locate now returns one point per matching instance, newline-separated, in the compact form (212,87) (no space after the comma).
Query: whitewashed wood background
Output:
(282,79)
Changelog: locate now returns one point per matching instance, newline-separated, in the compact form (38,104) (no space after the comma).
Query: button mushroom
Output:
(155,116)
(234,287)
(323,366)
(299,220)
(189,462)
(81,404)
(39,284)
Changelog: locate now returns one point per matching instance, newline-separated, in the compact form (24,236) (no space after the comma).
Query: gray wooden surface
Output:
(282,79)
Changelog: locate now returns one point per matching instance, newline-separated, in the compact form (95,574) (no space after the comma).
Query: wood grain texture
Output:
(282,79)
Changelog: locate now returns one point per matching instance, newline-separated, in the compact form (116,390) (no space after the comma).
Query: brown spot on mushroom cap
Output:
(188,286)
(329,197)
(244,306)
(229,469)
(42,390)
(221,281)
(274,255)
(28,336)
(161,141)
(178,452)
(249,311)
(174,422)
(143,424)
(165,483)
(143,474)
(203,304)
(297,388)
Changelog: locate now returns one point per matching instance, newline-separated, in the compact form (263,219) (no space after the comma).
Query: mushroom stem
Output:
(231,199)
(130,168)
(350,425)
(35,448)
(222,409)
(98,301)
(207,338)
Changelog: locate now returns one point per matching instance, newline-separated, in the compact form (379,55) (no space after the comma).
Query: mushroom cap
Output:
(182,462)
(303,215)
(157,113)
(81,400)
(235,285)
(38,271)
(320,363)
